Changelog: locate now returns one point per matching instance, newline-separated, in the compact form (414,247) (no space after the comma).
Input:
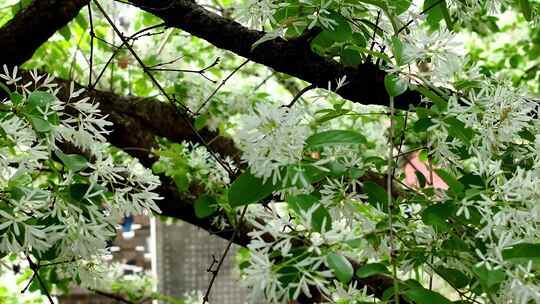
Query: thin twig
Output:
(263,82)
(35,268)
(368,58)
(201,72)
(165,63)
(92,35)
(299,94)
(390,174)
(185,110)
(111,296)
(133,37)
(135,55)
(421,13)
(222,258)
(400,154)
(220,85)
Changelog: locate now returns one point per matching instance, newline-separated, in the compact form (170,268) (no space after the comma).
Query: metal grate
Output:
(184,253)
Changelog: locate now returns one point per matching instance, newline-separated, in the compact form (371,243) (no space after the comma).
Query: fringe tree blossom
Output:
(272,138)
(57,205)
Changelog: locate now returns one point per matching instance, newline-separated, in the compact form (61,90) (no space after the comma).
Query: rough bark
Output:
(293,57)
(33,26)
(138,120)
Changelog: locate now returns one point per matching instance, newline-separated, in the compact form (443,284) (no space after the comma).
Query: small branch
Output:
(200,72)
(368,59)
(299,94)
(35,268)
(220,85)
(132,51)
(222,259)
(390,174)
(421,13)
(92,35)
(111,296)
(171,99)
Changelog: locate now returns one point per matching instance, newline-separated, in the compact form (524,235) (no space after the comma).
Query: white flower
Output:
(263,281)
(272,138)
(10,78)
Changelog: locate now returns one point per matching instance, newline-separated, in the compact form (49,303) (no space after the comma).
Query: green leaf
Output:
(454,185)
(371,269)
(423,155)
(377,195)
(181,179)
(426,296)
(335,137)
(73,162)
(341,267)
(359,40)
(320,218)
(331,114)
(77,191)
(456,128)
(81,21)
(350,57)
(342,31)
(422,124)
(40,124)
(394,85)
(455,244)
(322,41)
(522,253)
(399,6)
(65,32)
(437,100)
(446,15)
(248,189)
(433,11)
(489,279)
(39,99)
(437,215)
(205,206)
(200,121)
(525,7)
(397,50)
(453,276)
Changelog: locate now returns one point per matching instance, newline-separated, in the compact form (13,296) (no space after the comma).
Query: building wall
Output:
(183,257)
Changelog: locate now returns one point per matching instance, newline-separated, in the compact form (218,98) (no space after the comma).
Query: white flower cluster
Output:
(264,274)
(275,256)
(271,138)
(257,13)
(487,123)
(51,200)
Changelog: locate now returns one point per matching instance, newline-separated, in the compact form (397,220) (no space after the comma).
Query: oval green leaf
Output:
(335,137)
(371,269)
(73,162)
(205,205)
(249,189)
(341,266)
(394,85)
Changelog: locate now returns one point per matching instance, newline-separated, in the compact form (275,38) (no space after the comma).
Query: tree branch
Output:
(33,26)
(138,120)
(293,57)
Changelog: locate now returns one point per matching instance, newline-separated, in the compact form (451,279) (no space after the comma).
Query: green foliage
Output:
(335,137)
(248,189)
(341,267)
(371,269)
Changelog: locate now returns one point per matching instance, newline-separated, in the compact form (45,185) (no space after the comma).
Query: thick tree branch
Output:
(138,120)
(33,26)
(293,57)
